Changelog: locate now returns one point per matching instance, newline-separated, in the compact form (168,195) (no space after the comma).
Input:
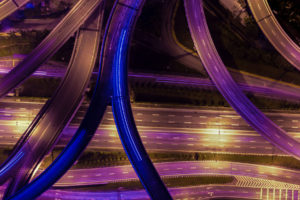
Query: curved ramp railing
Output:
(274,32)
(226,85)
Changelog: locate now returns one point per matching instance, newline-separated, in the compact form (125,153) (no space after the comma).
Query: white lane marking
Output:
(290,144)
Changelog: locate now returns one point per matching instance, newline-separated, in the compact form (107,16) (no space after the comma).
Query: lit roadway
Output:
(274,32)
(162,128)
(94,176)
(227,86)
(184,193)
(280,180)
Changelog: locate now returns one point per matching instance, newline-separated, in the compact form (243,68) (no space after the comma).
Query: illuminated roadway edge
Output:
(274,32)
(7,7)
(226,85)
(92,120)
(46,128)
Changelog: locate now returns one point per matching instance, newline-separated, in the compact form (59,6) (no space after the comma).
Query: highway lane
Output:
(227,86)
(162,128)
(184,193)
(44,130)
(7,7)
(246,175)
(274,32)
(269,184)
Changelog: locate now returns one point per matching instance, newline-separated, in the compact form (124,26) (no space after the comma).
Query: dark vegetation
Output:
(288,14)
(170,94)
(25,41)
(38,87)
(98,158)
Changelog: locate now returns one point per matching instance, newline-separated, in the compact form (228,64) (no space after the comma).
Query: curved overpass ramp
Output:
(45,129)
(49,46)
(274,32)
(117,48)
(227,86)
(7,7)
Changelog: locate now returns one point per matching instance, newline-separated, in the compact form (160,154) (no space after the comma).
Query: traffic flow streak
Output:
(7,7)
(44,130)
(227,86)
(49,46)
(274,32)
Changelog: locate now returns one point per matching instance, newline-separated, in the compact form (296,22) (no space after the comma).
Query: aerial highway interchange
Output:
(36,127)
